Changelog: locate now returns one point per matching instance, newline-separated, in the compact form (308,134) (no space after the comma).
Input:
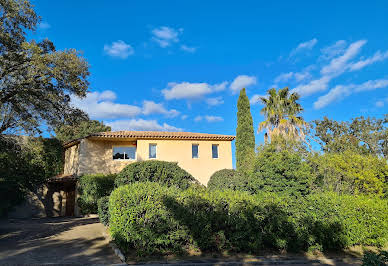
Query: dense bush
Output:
(93,187)
(168,173)
(226,179)
(354,219)
(375,259)
(139,219)
(154,219)
(25,164)
(103,210)
(353,173)
(282,171)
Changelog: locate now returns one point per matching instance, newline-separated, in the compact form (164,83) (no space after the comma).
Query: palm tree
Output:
(282,113)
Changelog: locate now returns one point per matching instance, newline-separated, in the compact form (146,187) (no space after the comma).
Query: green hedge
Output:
(225,179)
(154,219)
(103,210)
(93,187)
(139,220)
(360,219)
(168,173)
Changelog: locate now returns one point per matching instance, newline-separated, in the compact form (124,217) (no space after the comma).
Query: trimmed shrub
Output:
(225,179)
(139,219)
(360,220)
(103,210)
(168,173)
(155,219)
(93,187)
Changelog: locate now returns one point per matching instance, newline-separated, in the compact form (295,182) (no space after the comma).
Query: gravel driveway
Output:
(55,241)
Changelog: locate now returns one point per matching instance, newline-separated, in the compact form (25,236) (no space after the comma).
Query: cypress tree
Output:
(245,136)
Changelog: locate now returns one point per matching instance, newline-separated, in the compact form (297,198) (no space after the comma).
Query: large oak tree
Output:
(36,80)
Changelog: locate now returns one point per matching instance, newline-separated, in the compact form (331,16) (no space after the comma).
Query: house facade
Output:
(109,152)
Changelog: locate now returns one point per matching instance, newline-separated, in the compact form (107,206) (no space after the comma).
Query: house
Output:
(109,152)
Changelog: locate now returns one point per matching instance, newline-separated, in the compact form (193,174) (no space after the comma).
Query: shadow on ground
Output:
(54,240)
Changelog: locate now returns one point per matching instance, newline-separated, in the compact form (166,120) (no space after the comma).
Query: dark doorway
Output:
(70,199)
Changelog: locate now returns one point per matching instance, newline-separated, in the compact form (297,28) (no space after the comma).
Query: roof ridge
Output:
(154,135)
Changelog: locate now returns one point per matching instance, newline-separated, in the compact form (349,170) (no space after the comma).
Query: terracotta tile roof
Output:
(153,135)
(162,135)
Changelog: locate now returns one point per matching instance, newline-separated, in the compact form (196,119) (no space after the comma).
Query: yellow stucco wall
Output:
(95,156)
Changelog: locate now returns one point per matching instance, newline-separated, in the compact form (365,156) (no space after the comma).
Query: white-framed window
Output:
(124,153)
(195,151)
(152,151)
(215,151)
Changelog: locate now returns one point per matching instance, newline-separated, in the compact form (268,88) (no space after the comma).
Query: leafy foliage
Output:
(245,137)
(139,220)
(103,210)
(26,163)
(350,172)
(360,135)
(226,179)
(375,259)
(282,115)
(154,219)
(93,187)
(168,173)
(281,171)
(15,17)
(359,220)
(37,80)
(78,130)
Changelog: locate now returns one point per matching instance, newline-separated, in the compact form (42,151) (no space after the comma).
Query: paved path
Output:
(58,241)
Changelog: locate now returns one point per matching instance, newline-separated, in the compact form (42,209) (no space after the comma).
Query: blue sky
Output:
(178,65)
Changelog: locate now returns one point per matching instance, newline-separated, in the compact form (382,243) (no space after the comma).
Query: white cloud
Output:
(242,81)
(215,101)
(313,86)
(183,117)
(211,119)
(333,50)
(336,67)
(298,76)
(102,106)
(198,118)
(188,48)
(141,124)
(119,49)
(341,91)
(44,25)
(190,91)
(165,36)
(339,65)
(304,46)
(284,77)
(382,102)
(378,56)
(150,107)
(255,99)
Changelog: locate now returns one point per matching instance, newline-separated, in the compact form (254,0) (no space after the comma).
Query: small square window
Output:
(152,151)
(214,151)
(194,151)
(124,153)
